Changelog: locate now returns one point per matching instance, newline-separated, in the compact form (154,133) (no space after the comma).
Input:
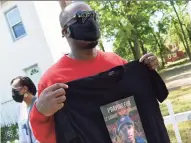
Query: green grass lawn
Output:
(185,132)
(181,102)
(180,99)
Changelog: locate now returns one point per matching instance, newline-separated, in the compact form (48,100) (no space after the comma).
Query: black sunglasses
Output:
(81,17)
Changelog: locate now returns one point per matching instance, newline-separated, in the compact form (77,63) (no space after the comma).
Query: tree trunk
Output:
(143,49)
(132,49)
(101,46)
(180,36)
(136,49)
(185,39)
(160,49)
(136,46)
(189,33)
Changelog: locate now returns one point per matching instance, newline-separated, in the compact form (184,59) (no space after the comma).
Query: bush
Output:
(9,133)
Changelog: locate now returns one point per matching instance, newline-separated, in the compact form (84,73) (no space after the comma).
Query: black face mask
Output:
(87,31)
(16,96)
(91,45)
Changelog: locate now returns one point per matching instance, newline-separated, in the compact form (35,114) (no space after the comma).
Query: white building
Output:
(31,41)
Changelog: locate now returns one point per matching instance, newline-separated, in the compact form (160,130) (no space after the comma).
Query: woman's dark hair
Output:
(26,81)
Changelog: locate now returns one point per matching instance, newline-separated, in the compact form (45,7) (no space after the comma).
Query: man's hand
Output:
(150,60)
(51,99)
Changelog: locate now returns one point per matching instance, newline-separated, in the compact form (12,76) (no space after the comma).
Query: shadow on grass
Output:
(165,74)
(187,75)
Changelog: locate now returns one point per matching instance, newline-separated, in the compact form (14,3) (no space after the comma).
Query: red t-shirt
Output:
(65,70)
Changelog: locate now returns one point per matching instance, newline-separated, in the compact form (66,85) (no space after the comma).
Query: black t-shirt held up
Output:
(81,120)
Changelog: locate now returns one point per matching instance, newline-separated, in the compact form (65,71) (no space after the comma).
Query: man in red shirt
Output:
(81,29)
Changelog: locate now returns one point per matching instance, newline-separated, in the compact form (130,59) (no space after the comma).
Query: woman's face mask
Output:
(17,96)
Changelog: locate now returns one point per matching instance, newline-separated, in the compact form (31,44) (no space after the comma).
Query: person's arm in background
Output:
(22,123)
(22,135)
(41,116)
(42,126)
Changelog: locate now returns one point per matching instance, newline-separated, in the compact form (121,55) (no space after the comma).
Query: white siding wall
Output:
(49,18)
(15,56)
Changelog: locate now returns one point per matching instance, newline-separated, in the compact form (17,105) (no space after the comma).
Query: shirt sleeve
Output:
(158,86)
(22,112)
(123,61)
(42,126)
(120,59)
(22,137)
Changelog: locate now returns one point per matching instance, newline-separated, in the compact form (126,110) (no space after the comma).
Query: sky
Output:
(108,46)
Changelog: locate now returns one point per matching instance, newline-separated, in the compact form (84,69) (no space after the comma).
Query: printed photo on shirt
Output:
(123,121)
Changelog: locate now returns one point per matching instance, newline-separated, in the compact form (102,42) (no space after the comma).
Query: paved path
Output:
(177,77)
(175,82)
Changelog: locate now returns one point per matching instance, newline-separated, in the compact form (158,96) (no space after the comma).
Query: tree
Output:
(188,28)
(182,29)
(101,45)
(9,133)
(127,22)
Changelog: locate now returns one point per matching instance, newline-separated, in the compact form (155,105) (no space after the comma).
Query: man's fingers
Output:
(58,92)
(59,106)
(154,63)
(150,60)
(57,86)
(146,61)
(60,99)
(145,57)
(154,67)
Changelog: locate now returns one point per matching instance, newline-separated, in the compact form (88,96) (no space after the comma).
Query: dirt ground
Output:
(177,77)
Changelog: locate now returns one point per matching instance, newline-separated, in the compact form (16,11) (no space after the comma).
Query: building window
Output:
(34,73)
(15,23)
